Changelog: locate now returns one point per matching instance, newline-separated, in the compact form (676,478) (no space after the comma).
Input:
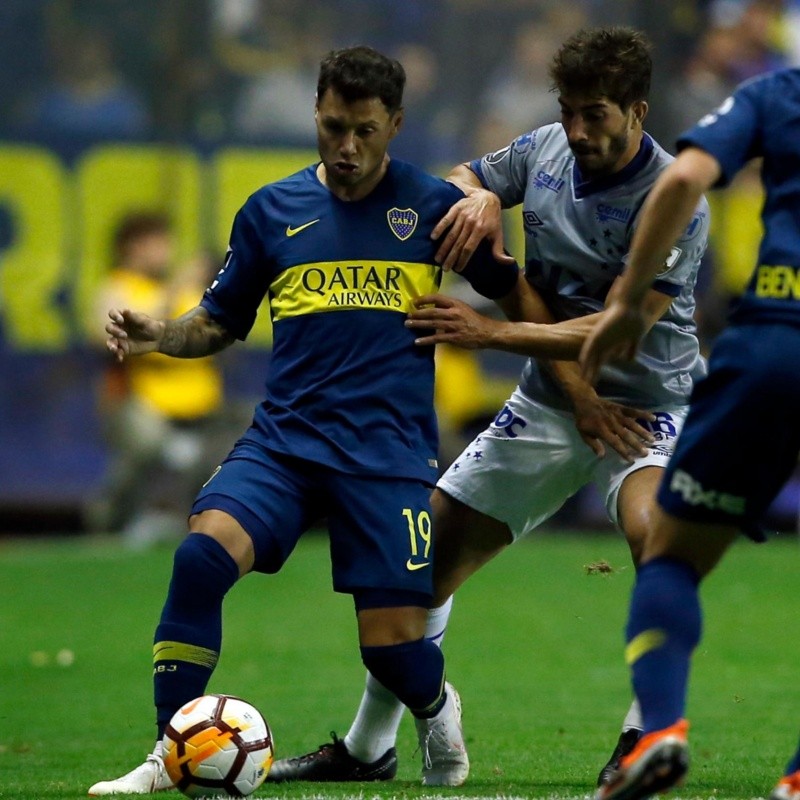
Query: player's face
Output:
(352,139)
(602,136)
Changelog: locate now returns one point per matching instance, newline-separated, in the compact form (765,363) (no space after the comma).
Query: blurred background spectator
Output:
(158,414)
(212,96)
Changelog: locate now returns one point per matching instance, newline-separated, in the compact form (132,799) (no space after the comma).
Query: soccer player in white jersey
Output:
(581,183)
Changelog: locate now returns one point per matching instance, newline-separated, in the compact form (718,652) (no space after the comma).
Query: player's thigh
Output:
(629,489)
(523,467)
(466,539)
(741,439)
(381,538)
(273,499)
(637,506)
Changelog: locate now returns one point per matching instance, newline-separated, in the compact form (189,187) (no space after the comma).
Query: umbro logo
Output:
(290,231)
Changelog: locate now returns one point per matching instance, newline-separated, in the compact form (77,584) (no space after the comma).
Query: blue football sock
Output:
(189,635)
(794,765)
(663,629)
(413,671)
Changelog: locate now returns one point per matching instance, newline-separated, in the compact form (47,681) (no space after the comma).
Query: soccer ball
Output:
(218,745)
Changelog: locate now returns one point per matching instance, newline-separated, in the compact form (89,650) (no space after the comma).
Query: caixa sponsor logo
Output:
(509,423)
(695,494)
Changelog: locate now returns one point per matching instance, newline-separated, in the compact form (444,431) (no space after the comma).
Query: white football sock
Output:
(633,719)
(374,729)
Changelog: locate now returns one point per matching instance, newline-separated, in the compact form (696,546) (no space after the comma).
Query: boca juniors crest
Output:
(402,222)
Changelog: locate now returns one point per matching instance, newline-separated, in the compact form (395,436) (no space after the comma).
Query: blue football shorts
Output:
(741,438)
(380,528)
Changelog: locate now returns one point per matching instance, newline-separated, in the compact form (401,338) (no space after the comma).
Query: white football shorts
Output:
(531,460)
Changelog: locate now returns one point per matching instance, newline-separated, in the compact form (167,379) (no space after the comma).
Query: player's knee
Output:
(202,565)
(413,671)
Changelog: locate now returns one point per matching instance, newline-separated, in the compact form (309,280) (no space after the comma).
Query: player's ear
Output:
(396,123)
(640,109)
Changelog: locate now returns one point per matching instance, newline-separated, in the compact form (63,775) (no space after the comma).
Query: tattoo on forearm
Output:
(193,335)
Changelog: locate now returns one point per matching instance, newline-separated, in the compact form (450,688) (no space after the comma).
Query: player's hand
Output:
(604,423)
(132,333)
(454,321)
(465,225)
(615,336)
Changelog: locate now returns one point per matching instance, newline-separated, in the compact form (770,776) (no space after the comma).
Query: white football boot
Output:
(441,740)
(145,779)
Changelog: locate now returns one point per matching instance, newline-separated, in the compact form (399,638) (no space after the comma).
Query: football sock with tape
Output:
(189,635)
(374,729)
(663,629)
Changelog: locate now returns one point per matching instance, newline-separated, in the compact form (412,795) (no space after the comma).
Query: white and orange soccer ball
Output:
(218,745)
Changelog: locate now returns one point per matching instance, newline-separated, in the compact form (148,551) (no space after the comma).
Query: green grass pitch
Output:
(534,647)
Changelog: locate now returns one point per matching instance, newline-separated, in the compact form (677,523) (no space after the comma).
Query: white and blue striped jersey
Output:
(577,236)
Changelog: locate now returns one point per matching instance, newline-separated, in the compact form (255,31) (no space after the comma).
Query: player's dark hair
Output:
(136,225)
(361,73)
(604,62)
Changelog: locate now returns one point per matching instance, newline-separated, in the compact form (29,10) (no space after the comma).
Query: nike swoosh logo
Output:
(290,231)
(412,567)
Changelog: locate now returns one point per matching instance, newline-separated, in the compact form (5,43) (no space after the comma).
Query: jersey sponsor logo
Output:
(777,282)
(413,566)
(695,494)
(402,222)
(508,422)
(334,286)
(607,213)
(290,231)
(544,180)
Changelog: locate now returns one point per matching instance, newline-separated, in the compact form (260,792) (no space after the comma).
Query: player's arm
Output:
(665,214)
(600,422)
(192,335)
(468,222)
(456,322)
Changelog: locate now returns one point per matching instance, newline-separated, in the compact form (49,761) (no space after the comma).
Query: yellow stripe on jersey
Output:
(180,651)
(642,644)
(337,286)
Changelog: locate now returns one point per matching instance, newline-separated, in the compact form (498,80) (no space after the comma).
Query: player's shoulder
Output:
(303,179)
(406,182)
(406,173)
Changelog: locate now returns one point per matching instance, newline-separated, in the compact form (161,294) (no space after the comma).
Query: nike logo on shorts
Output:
(411,566)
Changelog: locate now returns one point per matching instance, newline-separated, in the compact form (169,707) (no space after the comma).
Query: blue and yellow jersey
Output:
(762,119)
(346,386)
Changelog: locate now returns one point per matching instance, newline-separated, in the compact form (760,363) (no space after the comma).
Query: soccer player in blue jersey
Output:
(717,485)
(581,183)
(347,430)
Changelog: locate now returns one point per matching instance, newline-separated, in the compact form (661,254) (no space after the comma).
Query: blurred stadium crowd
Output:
(183,107)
